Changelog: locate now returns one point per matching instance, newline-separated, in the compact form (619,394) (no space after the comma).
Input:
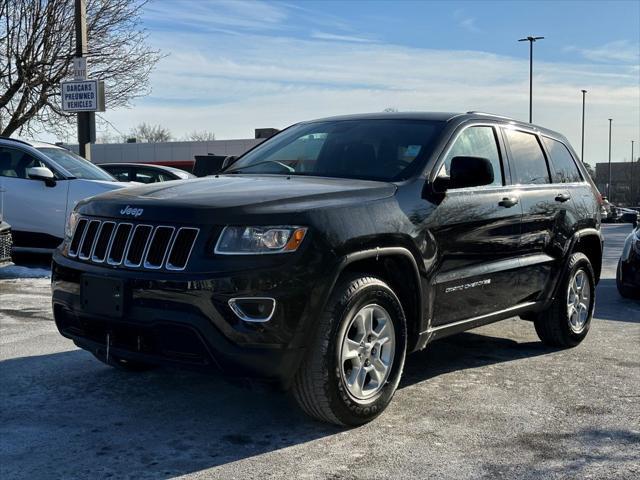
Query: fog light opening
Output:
(253,309)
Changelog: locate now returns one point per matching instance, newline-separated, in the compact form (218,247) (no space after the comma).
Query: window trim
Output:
(550,160)
(506,170)
(511,157)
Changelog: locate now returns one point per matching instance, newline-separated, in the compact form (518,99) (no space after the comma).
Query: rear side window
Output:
(120,173)
(527,158)
(563,167)
(476,142)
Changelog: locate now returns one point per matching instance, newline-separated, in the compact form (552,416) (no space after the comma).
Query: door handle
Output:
(562,197)
(508,202)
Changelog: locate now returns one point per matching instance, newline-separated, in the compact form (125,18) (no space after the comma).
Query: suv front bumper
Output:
(185,320)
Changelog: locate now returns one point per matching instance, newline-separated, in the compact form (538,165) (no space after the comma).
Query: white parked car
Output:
(42,183)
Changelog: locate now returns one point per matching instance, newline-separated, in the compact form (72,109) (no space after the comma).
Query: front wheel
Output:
(566,322)
(624,290)
(353,367)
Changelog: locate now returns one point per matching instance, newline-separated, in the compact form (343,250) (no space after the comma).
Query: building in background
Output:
(625,182)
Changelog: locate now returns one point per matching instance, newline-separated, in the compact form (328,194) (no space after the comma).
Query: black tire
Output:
(124,365)
(553,325)
(319,387)
(625,291)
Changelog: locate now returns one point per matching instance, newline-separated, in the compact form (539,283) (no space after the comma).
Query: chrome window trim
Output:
(495,126)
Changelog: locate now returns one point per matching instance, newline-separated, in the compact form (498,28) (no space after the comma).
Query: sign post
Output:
(86,119)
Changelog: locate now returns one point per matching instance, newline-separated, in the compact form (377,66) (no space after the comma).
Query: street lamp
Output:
(530,40)
(631,178)
(584,92)
(609,184)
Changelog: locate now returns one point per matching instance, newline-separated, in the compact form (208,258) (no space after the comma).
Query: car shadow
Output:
(68,413)
(610,305)
(466,350)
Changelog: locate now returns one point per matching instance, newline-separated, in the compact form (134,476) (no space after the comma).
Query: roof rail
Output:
(476,112)
(14,140)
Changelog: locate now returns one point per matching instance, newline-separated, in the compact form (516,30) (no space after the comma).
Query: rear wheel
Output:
(566,322)
(353,367)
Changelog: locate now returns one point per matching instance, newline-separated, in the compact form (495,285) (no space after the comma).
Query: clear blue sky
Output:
(234,65)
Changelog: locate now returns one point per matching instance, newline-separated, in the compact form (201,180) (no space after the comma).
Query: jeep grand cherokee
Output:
(323,256)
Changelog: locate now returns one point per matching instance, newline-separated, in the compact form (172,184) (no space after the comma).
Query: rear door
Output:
(548,212)
(476,231)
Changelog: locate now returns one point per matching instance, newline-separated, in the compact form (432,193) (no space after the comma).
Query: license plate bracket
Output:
(102,295)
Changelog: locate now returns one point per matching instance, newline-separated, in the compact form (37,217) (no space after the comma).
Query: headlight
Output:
(259,240)
(70,227)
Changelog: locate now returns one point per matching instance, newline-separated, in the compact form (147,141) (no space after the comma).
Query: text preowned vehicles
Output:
(324,255)
(42,184)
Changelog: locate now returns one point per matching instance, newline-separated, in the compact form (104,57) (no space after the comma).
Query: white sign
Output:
(83,96)
(80,68)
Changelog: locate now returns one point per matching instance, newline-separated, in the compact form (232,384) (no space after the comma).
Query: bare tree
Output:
(201,136)
(37,50)
(151,133)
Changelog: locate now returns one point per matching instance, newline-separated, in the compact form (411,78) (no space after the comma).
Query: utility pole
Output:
(530,40)
(609,184)
(584,92)
(86,120)
(631,200)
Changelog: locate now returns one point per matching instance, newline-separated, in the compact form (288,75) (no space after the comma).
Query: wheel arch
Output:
(398,268)
(589,242)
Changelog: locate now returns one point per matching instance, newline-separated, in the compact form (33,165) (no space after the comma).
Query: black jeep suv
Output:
(323,256)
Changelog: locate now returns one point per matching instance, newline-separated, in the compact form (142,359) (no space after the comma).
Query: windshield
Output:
(386,150)
(76,165)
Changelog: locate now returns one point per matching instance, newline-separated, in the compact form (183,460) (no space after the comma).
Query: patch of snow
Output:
(18,271)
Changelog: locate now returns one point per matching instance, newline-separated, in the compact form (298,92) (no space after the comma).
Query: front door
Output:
(35,211)
(476,231)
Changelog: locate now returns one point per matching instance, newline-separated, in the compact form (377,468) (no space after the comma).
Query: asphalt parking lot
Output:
(490,403)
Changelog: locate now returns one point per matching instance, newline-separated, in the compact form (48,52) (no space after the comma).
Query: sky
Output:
(235,65)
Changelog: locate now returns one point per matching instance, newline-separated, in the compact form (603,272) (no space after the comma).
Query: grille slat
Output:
(103,242)
(133,245)
(119,244)
(86,246)
(77,237)
(138,245)
(158,247)
(181,248)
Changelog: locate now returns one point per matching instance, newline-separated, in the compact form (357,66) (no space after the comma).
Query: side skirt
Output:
(442,331)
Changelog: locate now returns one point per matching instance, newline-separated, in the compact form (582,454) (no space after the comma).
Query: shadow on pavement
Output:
(610,305)
(69,413)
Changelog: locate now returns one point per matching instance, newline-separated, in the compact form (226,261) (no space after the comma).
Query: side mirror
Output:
(470,172)
(42,173)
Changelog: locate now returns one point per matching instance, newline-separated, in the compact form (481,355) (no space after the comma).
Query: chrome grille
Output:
(132,245)
(5,245)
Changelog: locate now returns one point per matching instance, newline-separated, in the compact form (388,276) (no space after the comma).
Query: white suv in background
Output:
(42,183)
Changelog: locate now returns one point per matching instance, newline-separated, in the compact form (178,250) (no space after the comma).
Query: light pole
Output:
(530,40)
(631,178)
(584,92)
(609,184)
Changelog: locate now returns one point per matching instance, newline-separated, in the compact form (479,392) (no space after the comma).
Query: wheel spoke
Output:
(350,349)
(368,322)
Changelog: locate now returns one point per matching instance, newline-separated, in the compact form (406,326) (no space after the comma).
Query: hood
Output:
(223,195)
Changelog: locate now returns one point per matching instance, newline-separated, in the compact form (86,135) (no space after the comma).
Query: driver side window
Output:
(477,141)
(15,163)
